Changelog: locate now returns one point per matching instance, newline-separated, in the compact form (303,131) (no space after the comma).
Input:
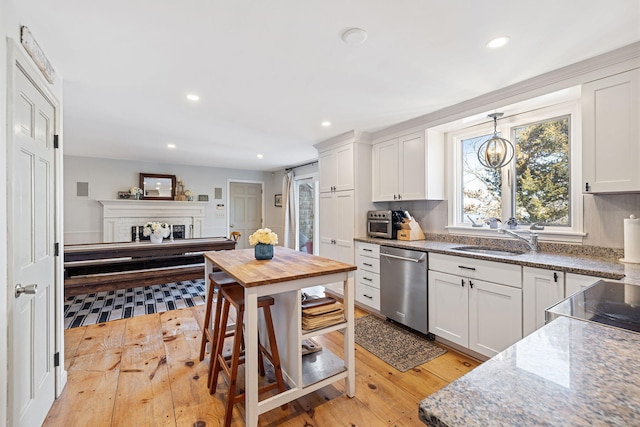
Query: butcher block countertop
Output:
(287,264)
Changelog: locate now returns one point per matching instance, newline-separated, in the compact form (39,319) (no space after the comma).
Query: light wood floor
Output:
(145,371)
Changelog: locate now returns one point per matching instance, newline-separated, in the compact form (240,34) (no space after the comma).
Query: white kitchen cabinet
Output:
(344,165)
(576,282)
(410,167)
(469,310)
(368,275)
(611,133)
(541,289)
(335,169)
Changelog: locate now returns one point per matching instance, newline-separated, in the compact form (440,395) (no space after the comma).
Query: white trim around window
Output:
(571,234)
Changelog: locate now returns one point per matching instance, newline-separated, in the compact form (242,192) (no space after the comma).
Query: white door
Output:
(495,317)
(385,171)
(245,210)
(449,307)
(541,289)
(31,257)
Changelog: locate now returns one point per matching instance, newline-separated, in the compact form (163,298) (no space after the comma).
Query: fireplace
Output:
(178,232)
(121,216)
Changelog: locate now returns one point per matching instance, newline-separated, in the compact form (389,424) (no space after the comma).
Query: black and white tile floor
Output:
(101,307)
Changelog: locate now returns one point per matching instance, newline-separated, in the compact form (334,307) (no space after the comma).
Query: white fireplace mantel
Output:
(120,215)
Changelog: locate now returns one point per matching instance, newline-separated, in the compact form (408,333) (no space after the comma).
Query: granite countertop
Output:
(569,372)
(589,266)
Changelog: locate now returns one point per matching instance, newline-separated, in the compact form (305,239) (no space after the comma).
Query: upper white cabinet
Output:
(336,169)
(541,289)
(409,167)
(611,134)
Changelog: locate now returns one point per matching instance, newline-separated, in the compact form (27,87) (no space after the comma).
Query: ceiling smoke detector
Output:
(354,36)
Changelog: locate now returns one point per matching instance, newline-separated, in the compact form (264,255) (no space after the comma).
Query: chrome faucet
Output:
(532,241)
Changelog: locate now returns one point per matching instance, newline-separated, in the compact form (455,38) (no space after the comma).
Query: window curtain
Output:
(289,211)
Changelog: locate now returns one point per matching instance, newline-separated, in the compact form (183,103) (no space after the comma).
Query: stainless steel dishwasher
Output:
(403,287)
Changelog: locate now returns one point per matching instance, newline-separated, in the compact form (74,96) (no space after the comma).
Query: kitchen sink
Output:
(485,250)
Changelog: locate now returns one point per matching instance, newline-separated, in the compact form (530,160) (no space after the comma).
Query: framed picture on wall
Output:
(278,200)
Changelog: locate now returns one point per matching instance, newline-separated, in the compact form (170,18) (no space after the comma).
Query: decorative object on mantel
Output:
(189,195)
(135,193)
(180,193)
(156,231)
(263,239)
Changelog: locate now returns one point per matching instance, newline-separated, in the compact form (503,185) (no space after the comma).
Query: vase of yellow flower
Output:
(263,239)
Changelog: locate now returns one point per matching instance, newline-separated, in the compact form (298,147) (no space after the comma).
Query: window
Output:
(535,187)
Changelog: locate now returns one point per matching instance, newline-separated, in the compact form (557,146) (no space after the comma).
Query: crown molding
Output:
(613,62)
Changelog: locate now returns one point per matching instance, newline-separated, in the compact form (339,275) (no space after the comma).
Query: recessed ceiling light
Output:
(171,145)
(354,36)
(326,123)
(498,42)
(193,97)
(259,156)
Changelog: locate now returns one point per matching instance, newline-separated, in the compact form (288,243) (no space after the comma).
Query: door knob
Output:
(231,225)
(29,289)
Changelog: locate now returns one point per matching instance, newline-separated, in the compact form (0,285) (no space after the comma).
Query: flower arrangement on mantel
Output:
(158,229)
(263,239)
(135,192)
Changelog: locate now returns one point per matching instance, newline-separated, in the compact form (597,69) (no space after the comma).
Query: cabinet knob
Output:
(399,196)
(462,281)
(395,197)
(367,296)
(470,284)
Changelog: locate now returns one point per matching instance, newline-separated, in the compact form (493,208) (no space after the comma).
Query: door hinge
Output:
(56,359)
(56,249)
(56,141)
(586,187)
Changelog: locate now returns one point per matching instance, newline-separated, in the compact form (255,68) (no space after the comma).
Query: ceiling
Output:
(269,72)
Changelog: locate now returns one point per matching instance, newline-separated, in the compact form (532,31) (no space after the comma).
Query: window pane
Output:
(481,187)
(542,172)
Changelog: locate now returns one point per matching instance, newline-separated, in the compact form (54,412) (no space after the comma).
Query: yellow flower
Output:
(265,236)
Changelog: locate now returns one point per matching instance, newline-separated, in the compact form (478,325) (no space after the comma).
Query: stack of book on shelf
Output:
(321,312)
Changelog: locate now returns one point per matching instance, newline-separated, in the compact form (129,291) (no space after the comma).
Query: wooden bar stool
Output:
(234,295)
(217,280)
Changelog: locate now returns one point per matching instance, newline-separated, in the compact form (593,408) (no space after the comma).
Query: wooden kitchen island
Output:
(283,277)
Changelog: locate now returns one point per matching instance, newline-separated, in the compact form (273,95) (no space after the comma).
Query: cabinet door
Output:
(344,178)
(327,170)
(577,282)
(412,183)
(495,317)
(344,228)
(385,171)
(540,290)
(611,133)
(449,307)
(327,225)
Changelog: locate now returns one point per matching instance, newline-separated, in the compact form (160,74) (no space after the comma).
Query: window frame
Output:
(565,234)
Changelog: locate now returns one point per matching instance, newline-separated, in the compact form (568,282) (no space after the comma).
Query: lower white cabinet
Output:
(482,316)
(368,275)
(541,289)
(575,282)
(337,212)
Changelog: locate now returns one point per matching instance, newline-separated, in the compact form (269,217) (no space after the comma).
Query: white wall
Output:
(83,215)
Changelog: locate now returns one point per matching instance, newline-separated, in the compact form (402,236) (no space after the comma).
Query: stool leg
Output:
(233,375)
(273,346)
(207,321)
(214,364)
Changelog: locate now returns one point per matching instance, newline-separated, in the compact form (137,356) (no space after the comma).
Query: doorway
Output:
(306,207)
(245,209)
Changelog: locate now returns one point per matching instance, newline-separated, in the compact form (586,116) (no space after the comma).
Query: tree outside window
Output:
(542,177)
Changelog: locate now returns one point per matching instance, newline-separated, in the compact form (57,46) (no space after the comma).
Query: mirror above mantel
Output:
(157,186)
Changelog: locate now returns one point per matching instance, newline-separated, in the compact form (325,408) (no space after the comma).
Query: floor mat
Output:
(99,307)
(396,346)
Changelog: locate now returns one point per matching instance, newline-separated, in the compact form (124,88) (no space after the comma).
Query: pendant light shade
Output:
(495,152)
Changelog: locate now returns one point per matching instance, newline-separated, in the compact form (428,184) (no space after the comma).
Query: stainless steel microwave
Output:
(380,224)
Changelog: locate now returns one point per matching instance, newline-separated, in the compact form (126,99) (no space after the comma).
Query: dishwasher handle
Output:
(404,258)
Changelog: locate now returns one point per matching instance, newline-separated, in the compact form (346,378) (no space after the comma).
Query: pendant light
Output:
(495,152)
